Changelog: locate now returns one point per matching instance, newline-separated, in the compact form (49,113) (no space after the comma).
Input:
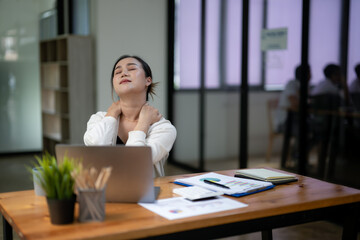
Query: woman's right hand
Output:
(114,110)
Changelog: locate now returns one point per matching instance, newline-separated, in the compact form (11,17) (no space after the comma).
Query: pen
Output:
(215,183)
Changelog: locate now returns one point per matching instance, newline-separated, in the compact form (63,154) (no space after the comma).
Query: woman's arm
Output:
(102,127)
(154,131)
(160,138)
(114,110)
(101,130)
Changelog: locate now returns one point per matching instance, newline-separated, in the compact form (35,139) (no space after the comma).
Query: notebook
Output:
(234,186)
(265,175)
(131,177)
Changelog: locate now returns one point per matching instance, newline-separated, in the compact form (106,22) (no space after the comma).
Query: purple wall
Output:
(233,42)
(354,39)
(324,36)
(212,75)
(255,26)
(188,24)
(280,64)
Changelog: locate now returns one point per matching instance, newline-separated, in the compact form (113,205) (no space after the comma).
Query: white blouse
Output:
(102,130)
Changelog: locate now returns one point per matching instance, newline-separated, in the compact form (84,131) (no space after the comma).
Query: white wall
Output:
(135,27)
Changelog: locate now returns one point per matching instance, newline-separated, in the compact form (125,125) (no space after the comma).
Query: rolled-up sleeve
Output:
(100,130)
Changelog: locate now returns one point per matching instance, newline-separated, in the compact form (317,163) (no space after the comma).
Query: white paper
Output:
(236,185)
(178,207)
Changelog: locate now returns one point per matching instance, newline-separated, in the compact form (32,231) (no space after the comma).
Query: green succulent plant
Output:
(54,178)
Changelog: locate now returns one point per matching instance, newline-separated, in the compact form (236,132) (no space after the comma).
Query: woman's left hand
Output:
(148,116)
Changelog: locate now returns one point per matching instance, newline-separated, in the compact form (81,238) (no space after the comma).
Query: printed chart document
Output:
(179,207)
(231,185)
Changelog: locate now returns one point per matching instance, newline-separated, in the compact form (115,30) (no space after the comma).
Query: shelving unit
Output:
(66,88)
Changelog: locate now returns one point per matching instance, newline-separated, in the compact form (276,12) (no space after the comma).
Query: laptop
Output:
(131,178)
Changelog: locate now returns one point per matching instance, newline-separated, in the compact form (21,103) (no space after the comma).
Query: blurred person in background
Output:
(289,100)
(355,85)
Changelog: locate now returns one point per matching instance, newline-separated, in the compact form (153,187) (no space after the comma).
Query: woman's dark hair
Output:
(147,70)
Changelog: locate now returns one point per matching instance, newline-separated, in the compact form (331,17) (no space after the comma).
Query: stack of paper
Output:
(178,207)
(265,175)
(226,184)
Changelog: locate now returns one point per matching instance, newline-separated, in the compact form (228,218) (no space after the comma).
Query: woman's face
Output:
(129,77)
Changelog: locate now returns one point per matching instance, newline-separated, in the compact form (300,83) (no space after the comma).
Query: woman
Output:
(131,120)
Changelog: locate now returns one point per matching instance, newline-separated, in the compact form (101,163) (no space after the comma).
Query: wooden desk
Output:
(294,203)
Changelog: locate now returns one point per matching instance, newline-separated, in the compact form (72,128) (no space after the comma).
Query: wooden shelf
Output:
(61,49)
(55,126)
(53,113)
(55,101)
(67,89)
(57,62)
(51,51)
(54,75)
(55,89)
(56,137)
(49,144)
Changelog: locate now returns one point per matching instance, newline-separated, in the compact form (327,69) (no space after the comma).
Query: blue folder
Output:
(235,194)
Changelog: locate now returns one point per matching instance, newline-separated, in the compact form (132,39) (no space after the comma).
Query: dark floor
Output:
(14,176)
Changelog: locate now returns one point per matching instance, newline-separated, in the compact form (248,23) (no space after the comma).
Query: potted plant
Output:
(58,184)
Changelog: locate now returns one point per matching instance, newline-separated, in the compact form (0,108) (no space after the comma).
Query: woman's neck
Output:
(130,108)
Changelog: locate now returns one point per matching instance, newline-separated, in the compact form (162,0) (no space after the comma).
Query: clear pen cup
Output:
(91,205)
(39,191)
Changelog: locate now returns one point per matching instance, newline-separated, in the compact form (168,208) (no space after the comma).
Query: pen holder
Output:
(91,205)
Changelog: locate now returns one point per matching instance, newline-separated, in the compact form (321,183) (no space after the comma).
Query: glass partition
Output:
(273,117)
(20,113)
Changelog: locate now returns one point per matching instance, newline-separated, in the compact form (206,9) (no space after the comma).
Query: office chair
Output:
(271,107)
(355,100)
(324,125)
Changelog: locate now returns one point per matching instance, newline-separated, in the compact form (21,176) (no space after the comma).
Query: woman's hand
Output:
(114,110)
(148,116)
